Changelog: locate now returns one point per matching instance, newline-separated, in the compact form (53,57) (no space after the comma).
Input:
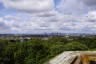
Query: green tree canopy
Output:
(75,46)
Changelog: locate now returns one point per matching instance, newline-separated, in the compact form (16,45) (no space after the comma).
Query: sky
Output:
(46,16)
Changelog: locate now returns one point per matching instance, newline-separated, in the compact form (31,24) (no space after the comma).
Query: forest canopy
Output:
(37,50)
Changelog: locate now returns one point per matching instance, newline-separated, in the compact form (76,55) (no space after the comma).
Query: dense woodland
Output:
(37,50)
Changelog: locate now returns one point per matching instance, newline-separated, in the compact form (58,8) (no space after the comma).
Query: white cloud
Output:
(92,14)
(46,19)
(30,5)
(57,23)
(1,19)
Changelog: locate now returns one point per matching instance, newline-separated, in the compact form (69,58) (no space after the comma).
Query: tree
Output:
(56,49)
(75,46)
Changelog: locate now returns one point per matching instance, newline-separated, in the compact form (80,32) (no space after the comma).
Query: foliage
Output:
(38,51)
(75,46)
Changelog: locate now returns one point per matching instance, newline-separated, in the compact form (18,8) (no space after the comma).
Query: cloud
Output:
(90,2)
(76,6)
(44,18)
(32,6)
(57,23)
(0,1)
(3,26)
(71,7)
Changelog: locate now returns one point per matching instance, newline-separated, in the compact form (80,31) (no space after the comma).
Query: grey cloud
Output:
(3,26)
(0,1)
(76,7)
(90,2)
